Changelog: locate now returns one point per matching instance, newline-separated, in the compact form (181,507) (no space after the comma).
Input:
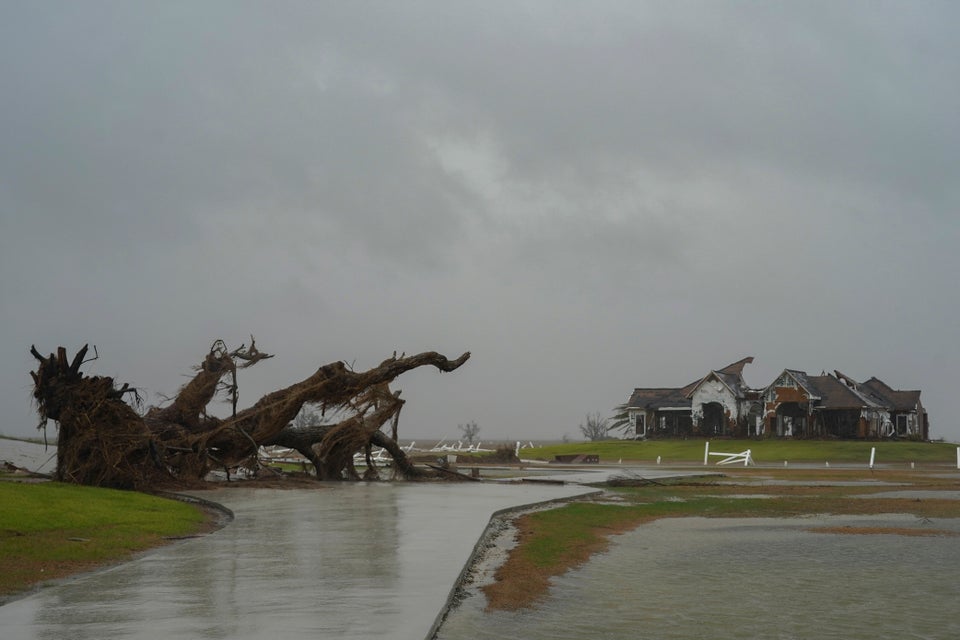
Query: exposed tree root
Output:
(103,441)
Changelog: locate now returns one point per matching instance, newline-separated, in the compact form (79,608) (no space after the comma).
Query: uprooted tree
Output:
(103,441)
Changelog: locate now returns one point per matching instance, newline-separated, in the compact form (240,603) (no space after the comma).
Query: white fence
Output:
(729,458)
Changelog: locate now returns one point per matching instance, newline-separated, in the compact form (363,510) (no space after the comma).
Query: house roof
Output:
(882,395)
(834,394)
(736,368)
(802,379)
(825,391)
(731,375)
(840,391)
(829,392)
(663,397)
(894,398)
(732,380)
(728,380)
(658,398)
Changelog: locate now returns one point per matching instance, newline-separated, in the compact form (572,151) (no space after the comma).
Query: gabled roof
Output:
(834,394)
(730,376)
(727,380)
(894,398)
(801,378)
(662,397)
(870,395)
(840,391)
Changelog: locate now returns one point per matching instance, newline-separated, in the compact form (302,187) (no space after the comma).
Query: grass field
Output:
(49,530)
(763,451)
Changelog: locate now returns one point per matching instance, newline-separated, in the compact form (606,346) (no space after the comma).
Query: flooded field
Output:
(745,578)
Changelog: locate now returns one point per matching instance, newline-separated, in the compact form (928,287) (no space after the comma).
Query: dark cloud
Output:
(588,198)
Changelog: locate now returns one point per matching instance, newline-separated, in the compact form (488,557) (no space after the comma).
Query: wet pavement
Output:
(28,455)
(344,560)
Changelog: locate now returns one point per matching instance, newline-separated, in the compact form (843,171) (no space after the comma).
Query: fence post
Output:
(706,454)
(873,453)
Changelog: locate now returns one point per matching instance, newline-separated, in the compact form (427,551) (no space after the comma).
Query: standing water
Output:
(751,578)
(344,561)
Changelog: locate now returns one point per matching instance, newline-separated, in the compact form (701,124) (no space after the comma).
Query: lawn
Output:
(767,451)
(49,530)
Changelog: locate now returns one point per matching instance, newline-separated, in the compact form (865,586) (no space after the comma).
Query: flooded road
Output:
(745,578)
(344,561)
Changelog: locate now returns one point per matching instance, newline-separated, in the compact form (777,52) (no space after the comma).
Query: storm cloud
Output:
(589,197)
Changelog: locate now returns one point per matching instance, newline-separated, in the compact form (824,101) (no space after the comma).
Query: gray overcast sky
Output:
(588,196)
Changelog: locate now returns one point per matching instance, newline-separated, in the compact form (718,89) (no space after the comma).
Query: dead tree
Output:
(103,441)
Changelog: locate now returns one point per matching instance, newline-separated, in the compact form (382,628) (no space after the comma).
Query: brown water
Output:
(756,578)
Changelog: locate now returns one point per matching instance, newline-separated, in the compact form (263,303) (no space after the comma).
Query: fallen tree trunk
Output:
(103,441)
(305,440)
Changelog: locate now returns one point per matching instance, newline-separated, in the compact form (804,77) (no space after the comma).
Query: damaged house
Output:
(719,403)
(794,405)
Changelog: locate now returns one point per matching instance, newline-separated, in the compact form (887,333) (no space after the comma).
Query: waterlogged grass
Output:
(550,542)
(559,535)
(763,451)
(50,530)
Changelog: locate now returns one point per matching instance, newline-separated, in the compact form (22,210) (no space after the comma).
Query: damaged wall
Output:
(714,391)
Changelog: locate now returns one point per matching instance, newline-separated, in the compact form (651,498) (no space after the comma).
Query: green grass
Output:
(763,451)
(48,529)
(560,532)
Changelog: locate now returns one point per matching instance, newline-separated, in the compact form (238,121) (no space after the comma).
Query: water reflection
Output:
(345,561)
(283,548)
